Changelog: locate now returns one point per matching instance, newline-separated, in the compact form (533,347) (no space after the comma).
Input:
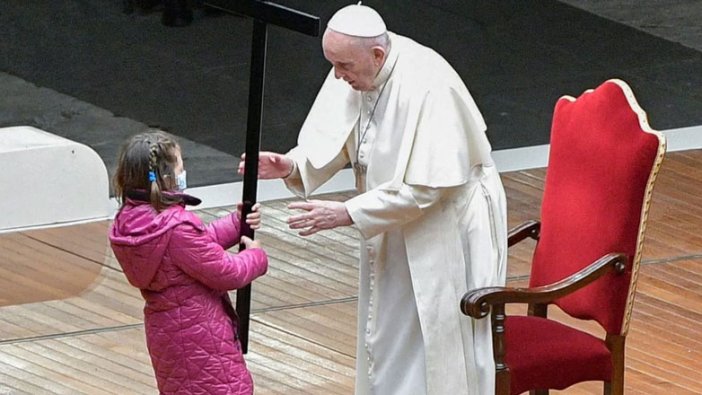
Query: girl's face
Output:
(181,182)
(179,162)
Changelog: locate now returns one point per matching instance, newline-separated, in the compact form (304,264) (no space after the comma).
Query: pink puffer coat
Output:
(183,271)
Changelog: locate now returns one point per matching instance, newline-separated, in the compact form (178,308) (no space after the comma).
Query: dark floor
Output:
(517,57)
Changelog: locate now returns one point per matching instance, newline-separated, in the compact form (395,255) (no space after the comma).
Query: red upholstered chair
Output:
(603,162)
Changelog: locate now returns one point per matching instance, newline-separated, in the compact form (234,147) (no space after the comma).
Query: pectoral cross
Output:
(263,13)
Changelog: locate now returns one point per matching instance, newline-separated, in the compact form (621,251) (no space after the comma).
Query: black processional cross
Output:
(263,13)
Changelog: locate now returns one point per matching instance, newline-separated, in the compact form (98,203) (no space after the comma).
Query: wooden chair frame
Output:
(479,302)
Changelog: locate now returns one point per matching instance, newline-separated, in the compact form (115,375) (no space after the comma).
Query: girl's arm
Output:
(225,231)
(200,256)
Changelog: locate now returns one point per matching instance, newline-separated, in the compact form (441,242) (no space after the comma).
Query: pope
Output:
(430,211)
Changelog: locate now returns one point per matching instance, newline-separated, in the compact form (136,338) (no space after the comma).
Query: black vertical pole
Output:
(253,143)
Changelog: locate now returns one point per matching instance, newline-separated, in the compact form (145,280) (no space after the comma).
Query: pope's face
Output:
(352,61)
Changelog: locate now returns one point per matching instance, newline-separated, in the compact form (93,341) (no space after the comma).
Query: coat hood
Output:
(139,237)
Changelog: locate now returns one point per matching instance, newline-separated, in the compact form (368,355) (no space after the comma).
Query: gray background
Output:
(85,70)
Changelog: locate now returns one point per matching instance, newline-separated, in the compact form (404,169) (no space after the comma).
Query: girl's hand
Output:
(253,219)
(248,243)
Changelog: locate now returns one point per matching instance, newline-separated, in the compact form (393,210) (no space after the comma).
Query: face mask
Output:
(181,182)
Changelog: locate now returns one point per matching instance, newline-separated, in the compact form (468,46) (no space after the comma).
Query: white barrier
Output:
(513,159)
(47,180)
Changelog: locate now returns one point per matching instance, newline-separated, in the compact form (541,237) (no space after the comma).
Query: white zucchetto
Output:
(357,20)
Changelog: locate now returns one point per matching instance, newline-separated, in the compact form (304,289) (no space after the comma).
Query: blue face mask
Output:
(181,181)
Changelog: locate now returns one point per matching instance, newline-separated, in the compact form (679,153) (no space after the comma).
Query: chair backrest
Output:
(603,162)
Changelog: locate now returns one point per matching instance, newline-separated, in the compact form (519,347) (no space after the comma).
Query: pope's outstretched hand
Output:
(319,215)
(271,165)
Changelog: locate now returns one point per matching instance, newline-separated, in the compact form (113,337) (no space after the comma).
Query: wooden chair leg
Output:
(617,385)
(502,379)
(616,346)
(502,383)
(538,392)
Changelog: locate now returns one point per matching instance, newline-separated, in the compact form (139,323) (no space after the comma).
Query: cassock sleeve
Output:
(305,178)
(380,210)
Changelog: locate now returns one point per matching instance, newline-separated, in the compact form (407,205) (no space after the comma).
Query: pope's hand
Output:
(271,165)
(319,215)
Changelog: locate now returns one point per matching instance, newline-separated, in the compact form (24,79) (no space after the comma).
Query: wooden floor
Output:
(70,323)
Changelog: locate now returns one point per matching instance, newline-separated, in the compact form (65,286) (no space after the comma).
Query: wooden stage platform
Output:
(70,323)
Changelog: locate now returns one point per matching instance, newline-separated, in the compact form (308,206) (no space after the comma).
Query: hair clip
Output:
(152,176)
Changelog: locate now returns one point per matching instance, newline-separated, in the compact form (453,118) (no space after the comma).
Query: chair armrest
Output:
(526,229)
(477,302)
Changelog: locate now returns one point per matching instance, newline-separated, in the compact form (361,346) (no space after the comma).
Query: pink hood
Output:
(140,237)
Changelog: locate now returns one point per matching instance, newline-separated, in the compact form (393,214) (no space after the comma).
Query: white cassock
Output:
(432,216)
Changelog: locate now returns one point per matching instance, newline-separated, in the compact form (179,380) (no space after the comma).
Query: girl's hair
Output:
(147,163)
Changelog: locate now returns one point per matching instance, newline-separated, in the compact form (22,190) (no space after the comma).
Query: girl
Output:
(183,270)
